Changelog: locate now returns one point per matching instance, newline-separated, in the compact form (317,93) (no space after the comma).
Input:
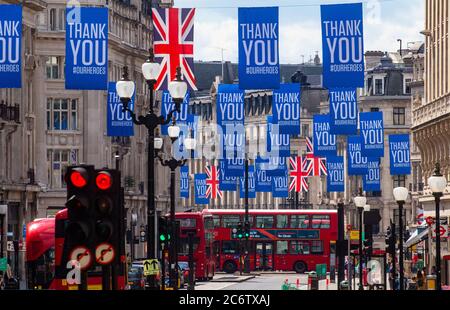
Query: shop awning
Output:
(420,234)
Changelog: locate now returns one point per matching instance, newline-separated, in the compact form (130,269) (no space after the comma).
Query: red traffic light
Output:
(103,180)
(78,177)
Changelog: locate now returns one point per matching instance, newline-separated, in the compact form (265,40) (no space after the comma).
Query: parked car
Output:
(184,266)
(136,279)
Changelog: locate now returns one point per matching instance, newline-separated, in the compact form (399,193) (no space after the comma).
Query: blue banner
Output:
(230,105)
(342,45)
(277,144)
(251,184)
(263,181)
(343,111)
(357,163)
(234,167)
(168,105)
(286,108)
(259,66)
(372,180)
(324,142)
(200,189)
(335,176)
(10,46)
(87,48)
(227,183)
(275,166)
(119,124)
(399,151)
(184,182)
(372,132)
(280,185)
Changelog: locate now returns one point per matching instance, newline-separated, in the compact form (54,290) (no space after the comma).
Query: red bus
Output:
(44,255)
(283,240)
(40,253)
(201,224)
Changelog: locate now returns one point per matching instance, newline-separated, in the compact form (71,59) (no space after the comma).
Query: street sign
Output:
(443,231)
(354,235)
(3,264)
(104,254)
(151,267)
(10,246)
(83,256)
(429,220)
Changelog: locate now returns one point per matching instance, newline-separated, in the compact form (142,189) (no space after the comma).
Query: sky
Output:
(385,21)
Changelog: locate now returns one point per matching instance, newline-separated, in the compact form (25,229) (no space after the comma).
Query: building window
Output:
(399,181)
(62,19)
(399,116)
(379,87)
(305,130)
(57,163)
(407,86)
(52,19)
(62,114)
(52,66)
(374,109)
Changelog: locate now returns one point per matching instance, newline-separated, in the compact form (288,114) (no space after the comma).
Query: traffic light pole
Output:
(246,221)
(341,253)
(360,211)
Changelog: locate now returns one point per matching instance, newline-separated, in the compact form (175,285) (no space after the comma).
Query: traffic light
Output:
(94,234)
(247,230)
(367,247)
(390,239)
(240,232)
(164,230)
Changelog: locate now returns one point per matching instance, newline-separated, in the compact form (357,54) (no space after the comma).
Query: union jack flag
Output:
(212,181)
(300,170)
(318,164)
(173,44)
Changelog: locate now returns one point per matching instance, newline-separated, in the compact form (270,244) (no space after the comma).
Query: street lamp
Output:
(360,202)
(125,90)
(437,183)
(400,195)
(173,164)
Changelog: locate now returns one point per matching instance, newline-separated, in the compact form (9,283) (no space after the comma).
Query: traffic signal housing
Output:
(240,231)
(164,230)
(95,215)
(247,230)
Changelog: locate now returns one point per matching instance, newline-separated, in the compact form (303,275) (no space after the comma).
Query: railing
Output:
(9,112)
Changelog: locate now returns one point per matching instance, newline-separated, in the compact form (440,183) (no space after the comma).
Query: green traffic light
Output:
(239,236)
(162,238)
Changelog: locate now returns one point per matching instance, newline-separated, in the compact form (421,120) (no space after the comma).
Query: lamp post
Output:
(400,195)
(438,183)
(360,202)
(125,90)
(173,164)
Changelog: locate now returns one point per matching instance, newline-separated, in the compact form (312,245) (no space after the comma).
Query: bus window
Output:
(230,247)
(317,247)
(216,220)
(264,221)
(320,221)
(209,224)
(299,221)
(188,223)
(282,247)
(300,247)
(282,221)
(230,221)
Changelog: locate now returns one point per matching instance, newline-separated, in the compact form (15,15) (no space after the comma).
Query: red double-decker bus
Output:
(283,240)
(200,224)
(44,251)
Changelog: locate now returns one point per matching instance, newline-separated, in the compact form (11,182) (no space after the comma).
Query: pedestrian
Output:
(420,280)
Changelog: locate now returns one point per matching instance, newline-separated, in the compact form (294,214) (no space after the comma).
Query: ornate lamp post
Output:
(438,183)
(125,90)
(400,195)
(360,202)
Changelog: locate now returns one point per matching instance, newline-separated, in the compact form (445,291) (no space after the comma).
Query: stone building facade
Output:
(51,128)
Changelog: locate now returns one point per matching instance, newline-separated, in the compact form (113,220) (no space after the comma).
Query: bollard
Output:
(298,282)
(327,283)
(431,282)
(314,280)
